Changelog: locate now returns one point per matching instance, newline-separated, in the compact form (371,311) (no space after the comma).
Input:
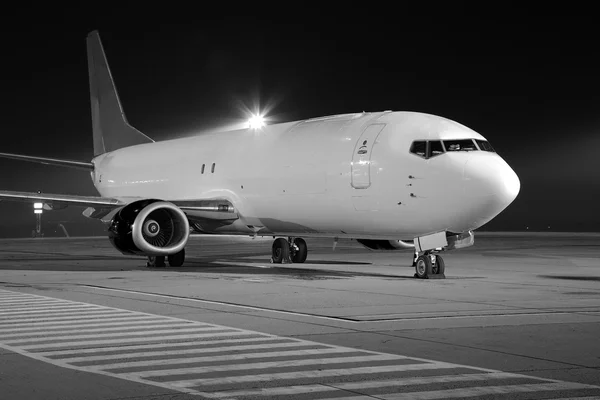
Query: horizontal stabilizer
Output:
(88,166)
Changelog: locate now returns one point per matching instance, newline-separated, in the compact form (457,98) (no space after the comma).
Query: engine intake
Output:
(149,227)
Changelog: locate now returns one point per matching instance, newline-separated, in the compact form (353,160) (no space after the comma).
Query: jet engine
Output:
(386,244)
(149,227)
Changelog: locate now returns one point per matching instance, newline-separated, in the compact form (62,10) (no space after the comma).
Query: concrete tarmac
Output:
(517,317)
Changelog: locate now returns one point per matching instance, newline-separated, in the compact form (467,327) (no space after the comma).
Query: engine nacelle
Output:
(149,227)
(386,244)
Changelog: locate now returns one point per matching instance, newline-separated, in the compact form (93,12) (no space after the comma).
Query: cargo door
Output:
(361,159)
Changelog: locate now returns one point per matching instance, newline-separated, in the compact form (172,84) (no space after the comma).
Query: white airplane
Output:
(390,180)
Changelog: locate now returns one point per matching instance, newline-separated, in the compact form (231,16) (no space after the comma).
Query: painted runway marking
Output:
(220,362)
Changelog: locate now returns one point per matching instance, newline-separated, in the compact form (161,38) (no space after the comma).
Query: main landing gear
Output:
(429,266)
(175,260)
(287,251)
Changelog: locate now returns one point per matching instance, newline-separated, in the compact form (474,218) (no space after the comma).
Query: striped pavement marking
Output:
(220,362)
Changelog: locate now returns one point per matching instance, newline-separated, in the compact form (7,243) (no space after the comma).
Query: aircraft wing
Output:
(99,207)
(58,201)
(88,166)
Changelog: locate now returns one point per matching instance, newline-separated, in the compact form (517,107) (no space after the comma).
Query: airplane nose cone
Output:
(490,175)
(490,185)
(512,185)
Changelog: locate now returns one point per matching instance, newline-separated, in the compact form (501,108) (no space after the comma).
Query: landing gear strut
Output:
(175,260)
(429,266)
(287,251)
(156,262)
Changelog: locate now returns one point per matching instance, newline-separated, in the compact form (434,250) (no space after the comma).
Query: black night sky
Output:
(528,79)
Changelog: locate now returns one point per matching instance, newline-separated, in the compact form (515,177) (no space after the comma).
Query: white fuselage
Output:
(319,178)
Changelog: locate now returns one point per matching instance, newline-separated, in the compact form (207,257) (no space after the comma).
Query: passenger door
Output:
(361,159)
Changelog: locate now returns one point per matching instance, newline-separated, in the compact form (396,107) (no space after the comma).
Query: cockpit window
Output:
(460,145)
(435,148)
(419,148)
(427,149)
(485,146)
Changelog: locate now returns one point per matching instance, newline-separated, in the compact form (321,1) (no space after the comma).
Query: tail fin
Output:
(110,127)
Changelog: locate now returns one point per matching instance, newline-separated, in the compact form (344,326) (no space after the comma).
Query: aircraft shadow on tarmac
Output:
(70,258)
(209,266)
(331,262)
(572,277)
(241,266)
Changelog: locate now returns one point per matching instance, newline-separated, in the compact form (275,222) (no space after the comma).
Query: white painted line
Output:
(105,314)
(141,322)
(48,310)
(155,346)
(10,293)
(272,391)
(75,321)
(484,390)
(184,352)
(80,310)
(428,380)
(38,302)
(48,335)
(21,307)
(279,391)
(31,302)
(236,357)
(310,374)
(43,315)
(116,335)
(7,294)
(265,365)
(158,339)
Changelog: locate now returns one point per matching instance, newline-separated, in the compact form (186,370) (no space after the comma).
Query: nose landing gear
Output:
(288,251)
(429,266)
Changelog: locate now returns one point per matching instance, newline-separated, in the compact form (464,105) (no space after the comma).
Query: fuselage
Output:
(352,175)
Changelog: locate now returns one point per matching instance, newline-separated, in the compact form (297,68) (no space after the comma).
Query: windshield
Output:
(460,145)
(485,146)
(427,149)
(435,148)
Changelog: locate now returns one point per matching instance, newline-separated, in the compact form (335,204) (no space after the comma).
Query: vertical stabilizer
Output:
(110,127)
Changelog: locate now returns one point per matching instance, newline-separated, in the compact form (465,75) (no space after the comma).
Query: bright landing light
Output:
(256,122)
